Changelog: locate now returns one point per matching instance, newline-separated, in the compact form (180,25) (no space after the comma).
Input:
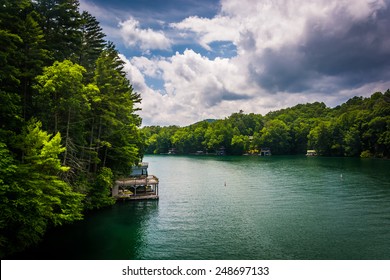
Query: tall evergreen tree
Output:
(32,59)
(24,56)
(92,43)
(60,21)
(11,20)
(114,128)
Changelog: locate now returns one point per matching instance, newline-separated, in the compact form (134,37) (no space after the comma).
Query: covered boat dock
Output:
(138,186)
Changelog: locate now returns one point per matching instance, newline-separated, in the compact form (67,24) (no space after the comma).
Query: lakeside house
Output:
(221,151)
(140,169)
(265,152)
(138,186)
(311,153)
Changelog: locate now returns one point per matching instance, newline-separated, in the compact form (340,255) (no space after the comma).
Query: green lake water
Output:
(241,208)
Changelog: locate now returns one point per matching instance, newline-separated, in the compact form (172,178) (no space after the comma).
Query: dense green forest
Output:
(359,127)
(68,118)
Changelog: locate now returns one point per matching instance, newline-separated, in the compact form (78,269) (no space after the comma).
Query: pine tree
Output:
(22,57)
(60,21)
(11,14)
(92,43)
(32,59)
(115,124)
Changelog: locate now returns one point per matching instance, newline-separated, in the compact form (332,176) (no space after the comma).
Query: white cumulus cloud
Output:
(219,28)
(146,39)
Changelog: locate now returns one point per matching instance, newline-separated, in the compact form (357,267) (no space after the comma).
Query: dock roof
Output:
(137,181)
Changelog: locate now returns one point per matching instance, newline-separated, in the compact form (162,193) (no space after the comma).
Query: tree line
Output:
(68,118)
(359,127)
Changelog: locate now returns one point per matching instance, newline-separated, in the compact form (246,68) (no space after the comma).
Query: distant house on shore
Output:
(311,153)
(139,170)
(265,152)
(221,151)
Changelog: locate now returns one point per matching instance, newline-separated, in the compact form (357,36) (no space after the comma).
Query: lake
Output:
(278,207)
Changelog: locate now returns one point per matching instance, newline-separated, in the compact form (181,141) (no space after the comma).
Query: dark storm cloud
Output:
(281,70)
(348,52)
(214,96)
(362,50)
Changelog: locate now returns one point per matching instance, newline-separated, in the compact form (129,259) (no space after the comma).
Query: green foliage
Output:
(158,140)
(239,144)
(61,85)
(8,170)
(100,192)
(275,135)
(366,154)
(33,196)
(218,135)
(319,138)
(352,142)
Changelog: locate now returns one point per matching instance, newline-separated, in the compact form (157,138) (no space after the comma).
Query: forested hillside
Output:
(68,118)
(359,127)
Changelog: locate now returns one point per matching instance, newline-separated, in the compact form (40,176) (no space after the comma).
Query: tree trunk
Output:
(90,145)
(105,156)
(66,139)
(98,142)
(55,114)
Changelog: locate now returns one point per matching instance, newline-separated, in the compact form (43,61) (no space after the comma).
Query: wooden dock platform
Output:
(138,197)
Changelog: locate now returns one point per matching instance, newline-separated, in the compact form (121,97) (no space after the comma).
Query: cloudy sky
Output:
(198,59)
